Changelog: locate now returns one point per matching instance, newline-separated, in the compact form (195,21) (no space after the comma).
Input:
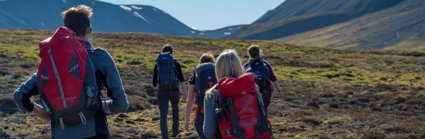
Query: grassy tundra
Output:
(328,93)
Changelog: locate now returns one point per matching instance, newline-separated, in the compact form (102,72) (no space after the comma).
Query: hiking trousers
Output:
(199,125)
(164,97)
(266,100)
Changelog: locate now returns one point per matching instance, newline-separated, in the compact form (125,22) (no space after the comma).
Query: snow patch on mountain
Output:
(141,17)
(125,8)
(136,7)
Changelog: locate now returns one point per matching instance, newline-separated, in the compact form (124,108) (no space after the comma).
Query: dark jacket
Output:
(107,77)
(272,76)
(178,70)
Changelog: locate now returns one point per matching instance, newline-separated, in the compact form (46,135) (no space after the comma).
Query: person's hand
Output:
(40,112)
(184,97)
(186,126)
(184,94)
(280,94)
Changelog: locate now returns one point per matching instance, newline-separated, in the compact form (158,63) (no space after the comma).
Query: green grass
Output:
(364,88)
(337,120)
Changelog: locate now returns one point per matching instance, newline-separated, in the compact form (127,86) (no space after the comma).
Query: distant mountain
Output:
(107,17)
(401,27)
(219,33)
(298,16)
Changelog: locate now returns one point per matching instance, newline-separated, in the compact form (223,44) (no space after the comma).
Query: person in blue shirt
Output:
(107,77)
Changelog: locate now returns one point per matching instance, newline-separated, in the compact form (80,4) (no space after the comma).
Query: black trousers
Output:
(199,125)
(266,100)
(164,97)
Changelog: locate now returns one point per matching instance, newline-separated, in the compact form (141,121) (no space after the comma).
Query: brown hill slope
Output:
(298,16)
(401,28)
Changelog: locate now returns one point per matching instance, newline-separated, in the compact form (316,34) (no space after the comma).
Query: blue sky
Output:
(210,14)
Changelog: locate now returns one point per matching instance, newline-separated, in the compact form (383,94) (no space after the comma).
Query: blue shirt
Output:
(107,76)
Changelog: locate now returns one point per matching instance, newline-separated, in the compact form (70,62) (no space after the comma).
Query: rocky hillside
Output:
(45,15)
(398,28)
(298,16)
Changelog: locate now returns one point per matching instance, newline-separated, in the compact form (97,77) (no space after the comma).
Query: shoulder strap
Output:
(261,126)
(235,130)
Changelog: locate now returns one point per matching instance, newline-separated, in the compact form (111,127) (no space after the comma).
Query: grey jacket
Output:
(210,119)
(107,76)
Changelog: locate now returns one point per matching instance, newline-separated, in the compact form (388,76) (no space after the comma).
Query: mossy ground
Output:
(327,93)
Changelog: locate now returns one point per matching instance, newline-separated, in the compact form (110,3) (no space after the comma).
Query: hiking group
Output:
(231,99)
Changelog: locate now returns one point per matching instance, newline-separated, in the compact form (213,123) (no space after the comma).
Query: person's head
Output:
(228,64)
(254,51)
(206,57)
(167,48)
(78,19)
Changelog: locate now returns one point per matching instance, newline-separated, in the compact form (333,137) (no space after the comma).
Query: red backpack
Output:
(240,109)
(66,78)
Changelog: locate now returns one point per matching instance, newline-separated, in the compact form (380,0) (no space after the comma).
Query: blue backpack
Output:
(167,74)
(260,70)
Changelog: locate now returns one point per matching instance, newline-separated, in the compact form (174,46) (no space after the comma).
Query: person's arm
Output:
(275,81)
(155,76)
(245,66)
(113,84)
(180,76)
(189,105)
(182,86)
(279,89)
(22,98)
(210,120)
(22,95)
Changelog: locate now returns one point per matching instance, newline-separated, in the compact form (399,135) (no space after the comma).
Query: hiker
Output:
(69,80)
(233,107)
(202,79)
(167,79)
(262,69)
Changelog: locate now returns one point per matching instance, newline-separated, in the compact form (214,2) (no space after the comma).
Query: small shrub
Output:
(337,120)
(373,135)
(133,61)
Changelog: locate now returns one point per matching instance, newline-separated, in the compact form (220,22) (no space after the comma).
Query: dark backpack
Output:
(66,79)
(240,110)
(261,71)
(167,74)
(205,79)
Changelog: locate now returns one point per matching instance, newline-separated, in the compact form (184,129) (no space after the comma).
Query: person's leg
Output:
(163,111)
(199,125)
(98,137)
(266,99)
(175,98)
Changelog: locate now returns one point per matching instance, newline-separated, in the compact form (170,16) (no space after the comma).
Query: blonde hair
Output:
(228,64)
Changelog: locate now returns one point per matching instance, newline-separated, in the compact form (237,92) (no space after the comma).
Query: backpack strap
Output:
(235,130)
(227,102)
(261,126)
(55,69)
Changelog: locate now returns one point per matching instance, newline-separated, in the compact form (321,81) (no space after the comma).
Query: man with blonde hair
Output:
(69,80)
